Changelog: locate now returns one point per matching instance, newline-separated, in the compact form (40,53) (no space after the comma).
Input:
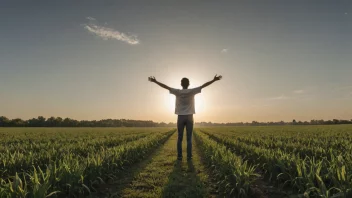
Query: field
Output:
(280,161)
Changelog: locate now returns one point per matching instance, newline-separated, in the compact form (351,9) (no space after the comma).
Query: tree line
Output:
(294,122)
(68,122)
(41,121)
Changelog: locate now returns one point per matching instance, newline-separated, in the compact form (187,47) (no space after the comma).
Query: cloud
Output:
(282,97)
(224,50)
(91,18)
(299,91)
(109,33)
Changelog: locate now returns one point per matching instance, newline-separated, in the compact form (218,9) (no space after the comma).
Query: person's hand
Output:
(152,79)
(217,77)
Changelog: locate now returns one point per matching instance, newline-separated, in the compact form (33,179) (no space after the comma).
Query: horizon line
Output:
(297,120)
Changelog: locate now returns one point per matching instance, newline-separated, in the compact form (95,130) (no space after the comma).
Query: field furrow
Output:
(243,162)
(236,177)
(311,176)
(162,175)
(75,174)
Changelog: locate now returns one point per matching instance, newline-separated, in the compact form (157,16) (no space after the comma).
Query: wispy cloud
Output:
(282,97)
(299,91)
(91,18)
(109,33)
(224,50)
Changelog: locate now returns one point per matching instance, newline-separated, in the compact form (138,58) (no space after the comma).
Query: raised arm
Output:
(216,78)
(152,79)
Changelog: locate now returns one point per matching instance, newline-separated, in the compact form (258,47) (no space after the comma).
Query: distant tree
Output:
(343,122)
(17,122)
(50,122)
(41,121)
(68,122)
(320,121)
(4,121)
(329,122)
(34,122)
(58,121)
(254,123)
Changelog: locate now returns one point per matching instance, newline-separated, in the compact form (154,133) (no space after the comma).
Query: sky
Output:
(90,60)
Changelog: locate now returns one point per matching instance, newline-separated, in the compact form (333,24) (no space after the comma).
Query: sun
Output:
(171,102)
(199,103)
(198,100)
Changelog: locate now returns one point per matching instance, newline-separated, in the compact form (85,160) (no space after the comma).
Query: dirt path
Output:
(161,175)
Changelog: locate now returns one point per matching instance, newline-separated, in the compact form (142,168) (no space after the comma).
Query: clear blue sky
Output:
(280,60)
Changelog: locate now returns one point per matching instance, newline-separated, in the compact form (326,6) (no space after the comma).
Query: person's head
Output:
(185,83)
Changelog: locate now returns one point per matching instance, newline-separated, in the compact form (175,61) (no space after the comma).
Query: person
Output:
(184,109)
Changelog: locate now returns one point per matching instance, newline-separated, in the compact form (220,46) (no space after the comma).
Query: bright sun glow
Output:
(199,102)
(198,99)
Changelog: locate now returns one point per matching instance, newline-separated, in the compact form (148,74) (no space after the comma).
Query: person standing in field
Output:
(184,109)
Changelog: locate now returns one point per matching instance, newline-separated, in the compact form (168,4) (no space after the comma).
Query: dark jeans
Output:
(182,121)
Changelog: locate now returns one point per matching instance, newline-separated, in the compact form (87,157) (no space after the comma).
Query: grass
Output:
(165,176)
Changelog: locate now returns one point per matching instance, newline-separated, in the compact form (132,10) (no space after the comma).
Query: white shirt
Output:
(185,100)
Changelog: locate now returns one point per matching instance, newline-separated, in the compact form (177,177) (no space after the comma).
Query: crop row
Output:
(235,175)
(73,174)
(62,135)
(319,147)
(311,136)
(314,177)
(22,157)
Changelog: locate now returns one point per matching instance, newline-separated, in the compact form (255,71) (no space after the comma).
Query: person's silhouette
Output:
(185,110)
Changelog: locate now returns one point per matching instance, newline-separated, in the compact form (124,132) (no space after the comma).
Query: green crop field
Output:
(277,161)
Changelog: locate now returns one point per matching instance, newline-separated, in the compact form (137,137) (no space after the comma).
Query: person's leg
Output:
(180,128)
(189,129)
